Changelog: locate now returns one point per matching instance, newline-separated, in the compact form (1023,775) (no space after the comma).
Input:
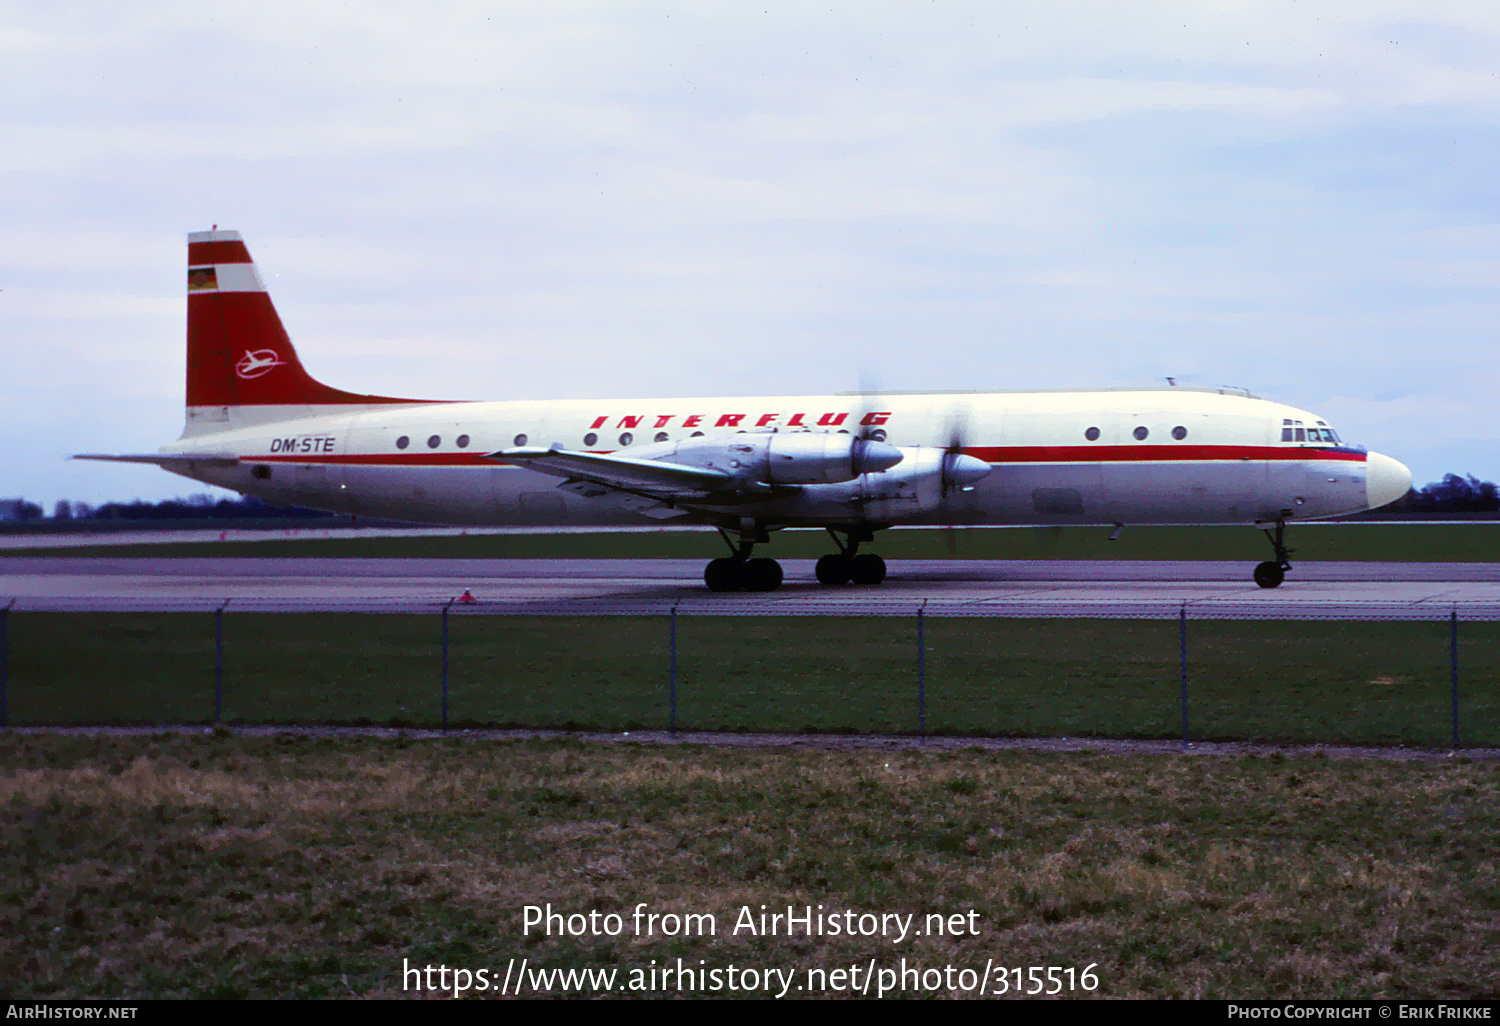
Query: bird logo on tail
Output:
(254,364)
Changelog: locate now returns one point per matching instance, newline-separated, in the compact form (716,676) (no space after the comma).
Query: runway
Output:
(1115,588)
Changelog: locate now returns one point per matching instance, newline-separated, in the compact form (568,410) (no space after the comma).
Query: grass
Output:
(218,866)
(1278,681)
(1462,542)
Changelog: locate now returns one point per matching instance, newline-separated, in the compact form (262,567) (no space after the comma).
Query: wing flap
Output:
(655,477)
(632,501)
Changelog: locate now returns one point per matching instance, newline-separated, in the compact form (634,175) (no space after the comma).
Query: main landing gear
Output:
(1271,573)
(848,565)
(739,572)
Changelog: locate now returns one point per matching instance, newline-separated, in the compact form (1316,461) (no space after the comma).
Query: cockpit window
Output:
(1294,431)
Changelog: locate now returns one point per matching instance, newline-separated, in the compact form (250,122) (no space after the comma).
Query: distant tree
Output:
(63,510)
(1455,494)
(198,507)
(27,510)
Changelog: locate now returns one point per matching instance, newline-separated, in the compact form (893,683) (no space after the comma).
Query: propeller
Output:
(869,387)
(960,472)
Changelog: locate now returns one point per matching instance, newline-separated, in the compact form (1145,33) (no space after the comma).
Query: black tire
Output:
(762,575)
(867,568)
(1269,574)
(833,569)
(724,574)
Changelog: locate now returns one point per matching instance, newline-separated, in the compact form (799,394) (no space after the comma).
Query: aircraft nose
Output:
(871,457)
(1386,480)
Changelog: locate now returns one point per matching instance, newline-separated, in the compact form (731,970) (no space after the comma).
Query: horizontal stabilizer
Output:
(167,460)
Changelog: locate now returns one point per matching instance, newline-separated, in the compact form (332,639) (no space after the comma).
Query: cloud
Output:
(501,200)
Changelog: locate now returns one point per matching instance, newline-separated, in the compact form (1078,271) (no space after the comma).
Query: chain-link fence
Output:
(1417,674)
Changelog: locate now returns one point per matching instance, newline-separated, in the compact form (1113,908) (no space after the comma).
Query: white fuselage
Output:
(1057,457)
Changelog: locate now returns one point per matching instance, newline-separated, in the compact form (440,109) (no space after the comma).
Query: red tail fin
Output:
(238,354)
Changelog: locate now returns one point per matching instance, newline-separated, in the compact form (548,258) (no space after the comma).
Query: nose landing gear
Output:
(1271,573)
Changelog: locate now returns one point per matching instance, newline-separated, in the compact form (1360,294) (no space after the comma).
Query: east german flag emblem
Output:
(201,279)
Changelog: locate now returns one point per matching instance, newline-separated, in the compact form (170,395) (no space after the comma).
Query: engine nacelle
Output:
(803,458)
(920,483)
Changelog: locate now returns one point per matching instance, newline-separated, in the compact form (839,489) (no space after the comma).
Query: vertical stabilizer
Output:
(241,367)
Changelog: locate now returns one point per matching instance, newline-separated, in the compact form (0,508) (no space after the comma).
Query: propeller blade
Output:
(868,387)
(960,473)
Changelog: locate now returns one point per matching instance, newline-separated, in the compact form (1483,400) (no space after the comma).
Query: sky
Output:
(595,200)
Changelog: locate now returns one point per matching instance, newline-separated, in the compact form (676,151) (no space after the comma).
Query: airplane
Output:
(853,464)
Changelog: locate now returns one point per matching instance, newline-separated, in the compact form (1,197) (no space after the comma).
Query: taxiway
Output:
(1356,590)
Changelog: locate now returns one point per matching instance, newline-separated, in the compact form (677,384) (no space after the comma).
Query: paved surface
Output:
(1154,588)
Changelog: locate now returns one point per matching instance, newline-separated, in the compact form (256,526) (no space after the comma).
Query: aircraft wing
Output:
(167,460)
(653,487)
(656,478)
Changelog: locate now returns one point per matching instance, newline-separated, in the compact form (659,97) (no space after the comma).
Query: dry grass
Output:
(219,866)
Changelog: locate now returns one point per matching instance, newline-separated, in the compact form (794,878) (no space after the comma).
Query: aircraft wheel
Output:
(724,574)
(833,569)
(1269,574)
(867,568)
(762,575)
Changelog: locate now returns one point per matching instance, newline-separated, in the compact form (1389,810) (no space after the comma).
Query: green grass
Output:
(1467,542)
(218,866)
(1280,681)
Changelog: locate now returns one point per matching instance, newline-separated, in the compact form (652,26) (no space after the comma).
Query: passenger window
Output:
(434,441)
(661,436)
(1092,434)
(520,439)
(1179,433)
(626,438)
(462,441)
(1141,433)
(402,442)
(590,438)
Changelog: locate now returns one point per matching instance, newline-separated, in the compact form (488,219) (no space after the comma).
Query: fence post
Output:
(445,663)
(921,673)
(1453,669)
(5,664)
(219,662)
(1182,659)
(672,674)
